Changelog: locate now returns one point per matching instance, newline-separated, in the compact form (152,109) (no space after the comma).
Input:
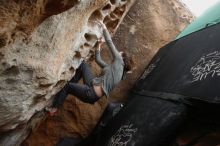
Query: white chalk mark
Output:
(123,136)
(150,68)
(207,66)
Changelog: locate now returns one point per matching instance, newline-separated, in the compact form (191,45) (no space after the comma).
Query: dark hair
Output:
(128,62)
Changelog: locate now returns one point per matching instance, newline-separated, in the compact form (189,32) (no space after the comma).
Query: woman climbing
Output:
(95,87)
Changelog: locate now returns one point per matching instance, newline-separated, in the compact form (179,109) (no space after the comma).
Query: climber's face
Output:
(127,61)
(122,54)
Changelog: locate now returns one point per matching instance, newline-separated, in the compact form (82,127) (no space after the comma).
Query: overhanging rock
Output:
(40,50)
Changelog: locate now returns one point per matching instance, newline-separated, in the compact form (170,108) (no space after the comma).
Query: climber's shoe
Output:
(52,111)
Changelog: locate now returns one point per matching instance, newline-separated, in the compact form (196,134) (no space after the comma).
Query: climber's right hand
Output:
(99,47)
(101,40)
(101,24)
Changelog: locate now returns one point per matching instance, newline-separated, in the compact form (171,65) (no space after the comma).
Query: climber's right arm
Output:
(110,43)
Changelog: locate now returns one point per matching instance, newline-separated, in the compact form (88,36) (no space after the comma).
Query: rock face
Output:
(41,44)
(148,25)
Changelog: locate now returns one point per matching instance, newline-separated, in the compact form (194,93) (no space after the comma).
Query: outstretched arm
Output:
(98,58)
(109,42)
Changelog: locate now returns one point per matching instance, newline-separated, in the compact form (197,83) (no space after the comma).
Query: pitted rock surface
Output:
(42,42)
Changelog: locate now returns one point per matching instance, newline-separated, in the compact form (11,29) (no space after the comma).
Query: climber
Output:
(95,87)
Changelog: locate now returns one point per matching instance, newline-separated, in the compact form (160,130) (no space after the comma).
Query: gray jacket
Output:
(111,73)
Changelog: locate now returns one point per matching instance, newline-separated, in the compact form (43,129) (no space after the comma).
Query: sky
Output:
(197,7)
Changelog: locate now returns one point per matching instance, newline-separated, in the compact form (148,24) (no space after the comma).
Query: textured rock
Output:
(39,52)
(74,119)
(149,25)
(142,32)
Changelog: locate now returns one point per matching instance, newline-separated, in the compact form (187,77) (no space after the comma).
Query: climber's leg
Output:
(60,97)
(86,74)
(83,92)
(83,71)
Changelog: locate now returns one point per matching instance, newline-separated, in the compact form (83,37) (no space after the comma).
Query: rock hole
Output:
(113,2)
(107,7)
(1,56)
(41,78)
(38,98)
(60,83)
(90,37)
(86,45)
(21,28)
(10,81)
(107,19)
(3,41)
(13,70)
(71,68)
(119,11)
(13,34)
(81,47)
(112,24)
(122,8)
(77,54)
(172,4)
(96,15)
(45,85)
(4,63)
(54,7)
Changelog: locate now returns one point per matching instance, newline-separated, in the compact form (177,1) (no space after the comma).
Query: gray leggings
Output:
(84,92)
